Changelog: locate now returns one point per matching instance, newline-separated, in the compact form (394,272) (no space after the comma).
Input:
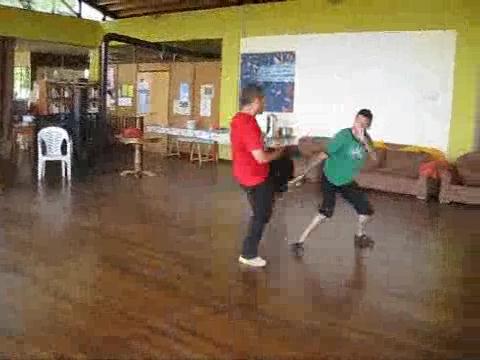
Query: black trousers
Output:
(350,192)
(261,199)
(281,171)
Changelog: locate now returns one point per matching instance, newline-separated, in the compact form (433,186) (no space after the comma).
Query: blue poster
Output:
(184,95)
(275,73)
(143,99)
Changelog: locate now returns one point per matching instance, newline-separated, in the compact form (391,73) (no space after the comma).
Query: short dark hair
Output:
(250,93)
(367,113)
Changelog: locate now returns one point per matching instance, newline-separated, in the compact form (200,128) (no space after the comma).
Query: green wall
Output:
(289,17)
(30,25)
(320,16)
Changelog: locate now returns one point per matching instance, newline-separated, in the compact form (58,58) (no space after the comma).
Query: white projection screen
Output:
(405,78)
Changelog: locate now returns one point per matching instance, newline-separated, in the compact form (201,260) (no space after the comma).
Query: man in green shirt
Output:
(345,156)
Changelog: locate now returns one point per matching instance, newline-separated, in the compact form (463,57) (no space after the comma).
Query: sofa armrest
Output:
(422,187)
(446,176)
(446,179)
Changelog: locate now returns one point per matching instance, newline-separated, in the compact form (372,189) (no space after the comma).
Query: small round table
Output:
(138,143)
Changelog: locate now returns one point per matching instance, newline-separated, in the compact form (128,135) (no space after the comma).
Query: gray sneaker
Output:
(254,262)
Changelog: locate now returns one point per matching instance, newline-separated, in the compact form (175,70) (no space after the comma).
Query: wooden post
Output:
(139,147)
(138,159)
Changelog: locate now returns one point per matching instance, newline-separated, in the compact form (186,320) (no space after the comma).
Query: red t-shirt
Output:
(246,136)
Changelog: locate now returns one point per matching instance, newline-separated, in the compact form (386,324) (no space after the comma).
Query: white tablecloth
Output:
(219,136)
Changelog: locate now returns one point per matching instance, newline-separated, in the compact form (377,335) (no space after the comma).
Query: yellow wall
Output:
(290,17)
(319,16)
(30,25)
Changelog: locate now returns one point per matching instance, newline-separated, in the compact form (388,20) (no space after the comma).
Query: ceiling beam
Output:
(132,8)
(186,5)
(108,2)
(163,48)
(139,2)
(142,4)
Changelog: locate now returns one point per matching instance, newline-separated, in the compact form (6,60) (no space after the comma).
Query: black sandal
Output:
(297,248)
(363,241)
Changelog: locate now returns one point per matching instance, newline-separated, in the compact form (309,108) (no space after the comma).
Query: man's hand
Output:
(362,137)
(318,158)
(315,162)
(370,149)
(263,157)
(321,156)
(278,153)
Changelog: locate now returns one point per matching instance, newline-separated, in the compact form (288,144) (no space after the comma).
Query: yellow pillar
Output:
(94,65)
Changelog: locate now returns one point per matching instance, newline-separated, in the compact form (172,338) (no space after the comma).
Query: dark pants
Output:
(281,171)
(261,198)
(350,192)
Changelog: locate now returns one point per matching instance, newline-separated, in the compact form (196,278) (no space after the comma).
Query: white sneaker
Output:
(255,262)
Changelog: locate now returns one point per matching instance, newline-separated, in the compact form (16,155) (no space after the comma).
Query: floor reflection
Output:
(113,267)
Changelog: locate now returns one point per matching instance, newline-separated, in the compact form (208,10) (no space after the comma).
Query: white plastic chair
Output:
(53,138)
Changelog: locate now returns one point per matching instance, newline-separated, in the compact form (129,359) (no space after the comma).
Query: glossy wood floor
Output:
(121,268)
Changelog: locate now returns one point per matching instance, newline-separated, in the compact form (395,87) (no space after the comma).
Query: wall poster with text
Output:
(275,73)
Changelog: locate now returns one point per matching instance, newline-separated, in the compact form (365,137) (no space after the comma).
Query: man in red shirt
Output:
(251,170)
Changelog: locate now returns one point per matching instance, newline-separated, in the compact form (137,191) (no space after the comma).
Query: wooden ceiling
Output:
(129,54)
(119,9)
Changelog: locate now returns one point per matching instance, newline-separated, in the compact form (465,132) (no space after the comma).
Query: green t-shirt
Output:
(346,156)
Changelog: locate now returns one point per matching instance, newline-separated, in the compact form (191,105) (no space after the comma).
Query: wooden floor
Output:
(121,268)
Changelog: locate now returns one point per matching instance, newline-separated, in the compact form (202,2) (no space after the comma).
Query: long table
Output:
(221,137)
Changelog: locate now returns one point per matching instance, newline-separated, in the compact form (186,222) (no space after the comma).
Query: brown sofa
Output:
(461,183)
(309,147)
(394,171)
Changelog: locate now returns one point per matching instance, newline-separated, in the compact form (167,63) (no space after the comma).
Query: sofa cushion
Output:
(371,165)
(404,163)
(384,181)
(397,172)
(468,168)
(309,146)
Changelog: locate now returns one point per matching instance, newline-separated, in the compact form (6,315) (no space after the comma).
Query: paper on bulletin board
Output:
(181,107)
(205,107)
(184,95)
(206,96)
(143,97)
(207,90)
(125,101)
(130,91)
(124,91)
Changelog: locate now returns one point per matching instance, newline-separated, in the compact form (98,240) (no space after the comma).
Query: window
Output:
(91,13)
(59,7)
(21,82)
